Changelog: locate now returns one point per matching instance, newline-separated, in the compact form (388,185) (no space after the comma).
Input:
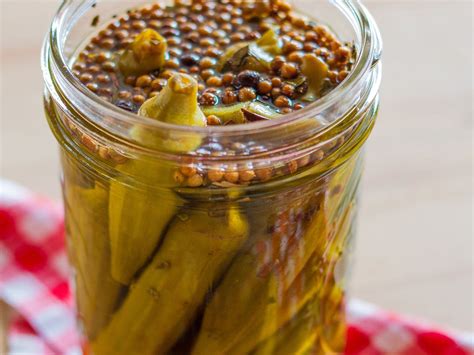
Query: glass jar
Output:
(216,240)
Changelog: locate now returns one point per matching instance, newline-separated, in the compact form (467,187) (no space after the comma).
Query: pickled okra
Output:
(196,251)
(256,55)
(146,53)
(138,217)
(98,293)
(316,72)
(253,311)
(313,288)
(199,250)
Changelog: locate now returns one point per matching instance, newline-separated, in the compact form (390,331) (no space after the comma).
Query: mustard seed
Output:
(131,80)
(155,24)
(292,166)
(237,37)
(193,37)
(322,52)
(276,82)
(93,69)
(158,84)
(275,93)
(195,181)
(227,27)
(188,27)
(223,41)
(218,34)
(342,75)
(229,97)
(100,58)
(332,75)
(207,42)
(335,45)
(213,120)
(138,25)
(103,78)
(92,87)
(343,54)
(282,101)
(252,36)
(174,41)
(194,69)
(289,71)
(318,155)
(246,175)
(236,21)
(207,62)
(310,47)
(178,177)
(227,78)
(292,46)
(104,152)
(79,66)
(188,170)
(212,52)
(138,99)
(108,66)
(175,52)
(214,81)
(172,63)
(85,78)
(296,57)
(264,174)
(311,36)
(170,23)
(247,94)
(124,94)
(167,74)
(107,43)
(204,30)
(89,143)
(215,175)
(231,176)
(288,90)
(207,73)
(264,87)
(143,81)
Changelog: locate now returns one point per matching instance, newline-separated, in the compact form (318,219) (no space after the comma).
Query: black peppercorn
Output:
(247,78)
(190,59)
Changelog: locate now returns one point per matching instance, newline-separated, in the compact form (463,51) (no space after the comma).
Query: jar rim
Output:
(368,55)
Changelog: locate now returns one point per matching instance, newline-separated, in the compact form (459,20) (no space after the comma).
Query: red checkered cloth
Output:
(33,281)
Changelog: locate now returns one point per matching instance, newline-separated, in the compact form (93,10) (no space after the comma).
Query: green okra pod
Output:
(138,217)
(162,303)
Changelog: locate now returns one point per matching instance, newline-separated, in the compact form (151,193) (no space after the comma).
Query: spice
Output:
(246,71)
(222,46)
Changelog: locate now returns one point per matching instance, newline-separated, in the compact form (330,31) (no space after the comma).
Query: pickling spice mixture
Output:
(251,60)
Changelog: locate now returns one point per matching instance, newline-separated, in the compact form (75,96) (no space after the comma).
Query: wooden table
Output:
(414,248)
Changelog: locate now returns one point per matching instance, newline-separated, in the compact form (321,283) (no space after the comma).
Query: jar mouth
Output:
(368,55)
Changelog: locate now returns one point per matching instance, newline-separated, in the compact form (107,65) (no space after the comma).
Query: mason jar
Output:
(215,240)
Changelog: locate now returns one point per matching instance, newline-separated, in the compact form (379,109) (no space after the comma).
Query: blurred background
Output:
(414,251)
